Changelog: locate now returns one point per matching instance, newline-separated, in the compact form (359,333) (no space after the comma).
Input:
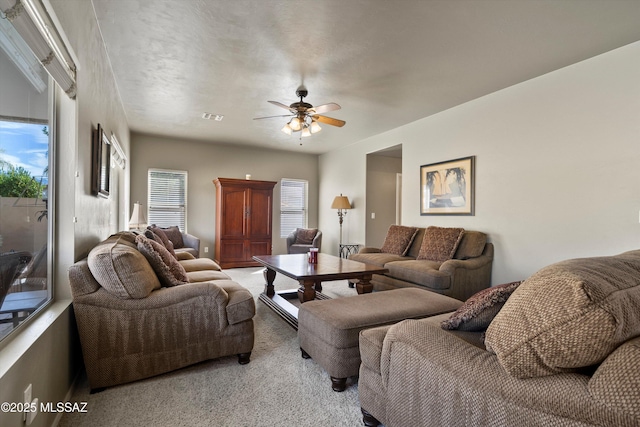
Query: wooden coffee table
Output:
(310,277)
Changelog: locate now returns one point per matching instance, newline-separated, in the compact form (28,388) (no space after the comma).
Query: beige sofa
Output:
(134,326)
(563,351)
(466,272)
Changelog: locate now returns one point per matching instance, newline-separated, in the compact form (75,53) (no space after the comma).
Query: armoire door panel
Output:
(233,220)
(259,248)
(233,250)
(259,224)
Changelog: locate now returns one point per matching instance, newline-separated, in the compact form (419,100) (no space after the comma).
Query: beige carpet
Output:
(278,387)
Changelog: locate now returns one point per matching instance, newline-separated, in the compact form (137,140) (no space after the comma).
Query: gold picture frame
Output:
(448,188)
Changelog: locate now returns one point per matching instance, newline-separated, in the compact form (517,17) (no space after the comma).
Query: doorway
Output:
(383,193)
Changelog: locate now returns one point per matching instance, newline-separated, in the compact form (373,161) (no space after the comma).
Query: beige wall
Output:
(205,162)
(556,170)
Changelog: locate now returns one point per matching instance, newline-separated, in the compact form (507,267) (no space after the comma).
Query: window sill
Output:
(19,342)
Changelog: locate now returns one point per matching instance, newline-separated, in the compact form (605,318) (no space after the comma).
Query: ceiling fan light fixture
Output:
(287,129)
(315,127)
(295,124)
(305,132)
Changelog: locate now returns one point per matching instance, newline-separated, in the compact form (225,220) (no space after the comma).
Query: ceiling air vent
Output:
(211,116)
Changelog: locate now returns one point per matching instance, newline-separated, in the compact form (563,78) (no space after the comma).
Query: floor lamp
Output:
(342,204)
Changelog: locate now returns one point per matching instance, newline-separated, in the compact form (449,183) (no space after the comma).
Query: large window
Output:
(25,181)
(293,205)
(167,202)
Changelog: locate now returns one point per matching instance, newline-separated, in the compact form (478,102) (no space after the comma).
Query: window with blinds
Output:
(167,198)
(293,205)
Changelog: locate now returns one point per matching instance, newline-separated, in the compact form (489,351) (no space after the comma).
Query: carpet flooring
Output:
(278,387)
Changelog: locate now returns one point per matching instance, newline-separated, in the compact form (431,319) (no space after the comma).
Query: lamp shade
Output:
(341,202)
(137,220)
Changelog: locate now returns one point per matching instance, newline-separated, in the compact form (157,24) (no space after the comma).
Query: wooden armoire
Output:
(243,221)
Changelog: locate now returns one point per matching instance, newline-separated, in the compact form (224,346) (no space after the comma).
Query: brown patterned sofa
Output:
(140,312)
(564,350)
(450,261)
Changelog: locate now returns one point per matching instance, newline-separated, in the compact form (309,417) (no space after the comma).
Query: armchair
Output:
(302,239)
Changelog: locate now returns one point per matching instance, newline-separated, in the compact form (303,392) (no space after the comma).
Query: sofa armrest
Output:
(369,250)
(450,266)
(418,355)
(291,238)
(191,241)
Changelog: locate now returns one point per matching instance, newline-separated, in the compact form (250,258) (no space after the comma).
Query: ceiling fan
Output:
(305,116)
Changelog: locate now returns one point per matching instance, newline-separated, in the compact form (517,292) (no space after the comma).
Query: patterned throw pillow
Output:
(440,244)
(159,236)
(167,268)
(173,233)
(304,236)
(479,310)
(398,239)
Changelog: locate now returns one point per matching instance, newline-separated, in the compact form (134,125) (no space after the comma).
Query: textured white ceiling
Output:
(387,63)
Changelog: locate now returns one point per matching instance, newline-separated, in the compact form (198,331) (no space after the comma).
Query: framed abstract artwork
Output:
(447,188)
(101,164)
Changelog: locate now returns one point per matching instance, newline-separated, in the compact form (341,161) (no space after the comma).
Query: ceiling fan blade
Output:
(332,106)
(329,120)
(271,117)
(280,104)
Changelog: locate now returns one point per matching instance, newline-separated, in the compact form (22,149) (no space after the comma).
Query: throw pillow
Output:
(121,269)
(439,243)
(479,310)
(398,240)
(175,235)
(471,245)
(568,315)
(168,269)
(304,236)
(160,236)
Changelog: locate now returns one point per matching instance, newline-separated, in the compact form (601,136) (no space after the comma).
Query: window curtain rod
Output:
(35,26)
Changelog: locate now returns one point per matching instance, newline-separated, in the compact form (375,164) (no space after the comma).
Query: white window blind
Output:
(293,205)
(167,201)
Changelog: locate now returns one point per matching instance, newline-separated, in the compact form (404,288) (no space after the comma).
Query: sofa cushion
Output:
(304,236)
(568,315)
(398,239)
(420,272)
(478,311)
(174,234)
(197,264)
(206,275)
(471,245)
(169,270)
(160,236)
(380,259)
(440,243)
(616,382)
(121,269)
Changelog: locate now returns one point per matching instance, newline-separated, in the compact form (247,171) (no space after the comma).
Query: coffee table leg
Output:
(269,277)
(318,286)
(363,286)
(306,291)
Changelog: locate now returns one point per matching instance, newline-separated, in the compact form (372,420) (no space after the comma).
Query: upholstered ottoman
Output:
(328,330)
